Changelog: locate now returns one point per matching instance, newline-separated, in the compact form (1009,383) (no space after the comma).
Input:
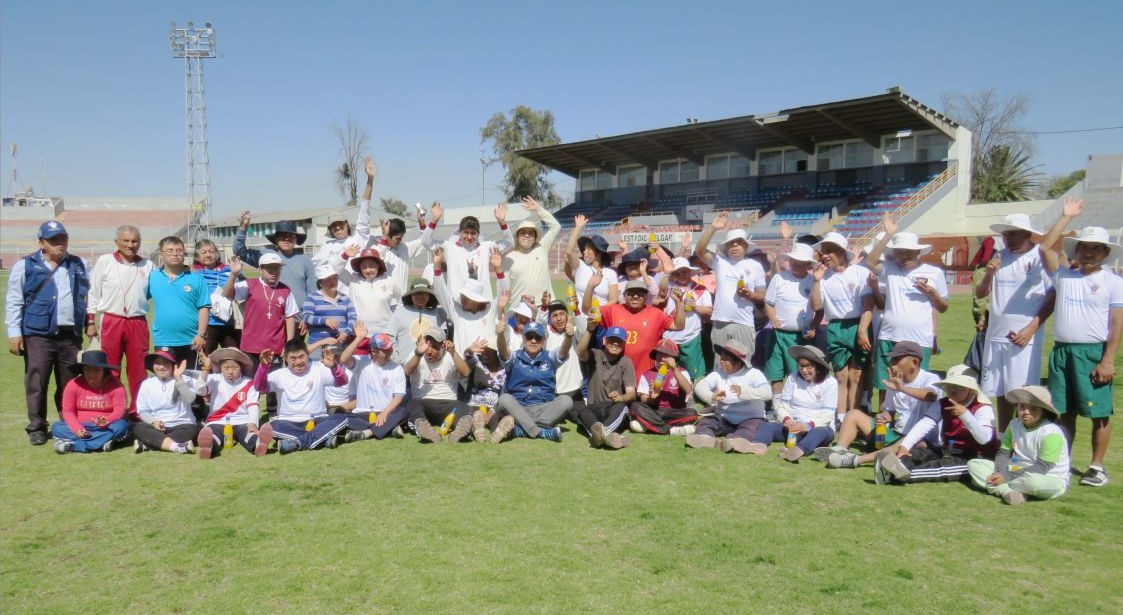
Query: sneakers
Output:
(506,424)
(398,433)
(37,438)
(824,452)
(596,435)
(264,439)
(1094,477)
(426,432)
(701,441)
(615,441)
(285,447)
(462,429)
(793,454)
(741,445)
(63,447)
(842,460)
(1015,498)
(635,426)
(139,447)
(108,446)
(682,430)
(479,427)
(518,432)
(892,465)
(206,443)
(553,434)
(357,436)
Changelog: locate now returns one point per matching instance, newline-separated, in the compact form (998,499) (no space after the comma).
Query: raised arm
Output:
(428,237)
(701,250)
(552,226)
(586,339)
(244,252)
(1070,209)
(572,254)
(879,246)
(507,238)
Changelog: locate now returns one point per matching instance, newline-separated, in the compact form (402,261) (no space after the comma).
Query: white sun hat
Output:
(1092,234)
(802,252)
(908,241)
(680,262)
(474,290)
(1015,222)
(836,239)
(736,234)
(522,309)
(963,376)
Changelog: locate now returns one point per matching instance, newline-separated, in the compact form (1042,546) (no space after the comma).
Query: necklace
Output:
(268,300)
(134,265)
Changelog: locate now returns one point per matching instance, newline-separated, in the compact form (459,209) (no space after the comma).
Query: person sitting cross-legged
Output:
(434,370)
(93,408)
(234,406)
(530,397)
(164,406)
(665,404)
(611,384)
(805,407)
(302,421)
(734,393)
(378,390)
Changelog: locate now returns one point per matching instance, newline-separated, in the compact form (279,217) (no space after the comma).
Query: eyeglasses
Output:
(173,252)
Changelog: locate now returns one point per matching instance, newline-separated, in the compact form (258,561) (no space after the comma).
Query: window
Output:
(627,177)
(830,157)
(668,172)
(795,161)
(595,180)
(771,163)
(931,147)
(688,171)
(859,154)
(738,166)
(717,167)
(897,150)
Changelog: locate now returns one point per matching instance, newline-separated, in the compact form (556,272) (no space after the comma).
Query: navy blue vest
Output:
(531,380)
(40,317)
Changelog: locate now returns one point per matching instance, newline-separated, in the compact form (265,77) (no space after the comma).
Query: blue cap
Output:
(616,332)
(536,328)
(51,228)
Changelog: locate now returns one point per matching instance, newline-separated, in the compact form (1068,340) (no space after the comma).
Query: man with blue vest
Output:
(529,395)
(45,314)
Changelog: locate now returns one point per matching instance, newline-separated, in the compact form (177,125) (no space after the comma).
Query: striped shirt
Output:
(318,309)
(215,278)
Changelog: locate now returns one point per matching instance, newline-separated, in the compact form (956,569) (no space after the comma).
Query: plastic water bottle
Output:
(227,435)
(446,426)
(310,425)
(594,310)
(879,432)
(790,442)
(651,244)
(688,301)
(571,299)
(660,378)
(741,283)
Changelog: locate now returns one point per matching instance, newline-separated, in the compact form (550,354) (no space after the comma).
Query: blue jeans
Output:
(807,442)
(326,426)
(117,430)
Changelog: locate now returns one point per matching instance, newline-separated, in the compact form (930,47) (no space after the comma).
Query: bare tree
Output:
(352,142)
(996,133)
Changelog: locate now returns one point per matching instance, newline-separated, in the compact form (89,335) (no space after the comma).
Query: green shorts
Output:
(690,358)
(881,362)
(842,344)
(891,436)
(777,362)
(1070,380)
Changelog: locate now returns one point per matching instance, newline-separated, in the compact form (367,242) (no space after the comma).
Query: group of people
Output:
(731,348)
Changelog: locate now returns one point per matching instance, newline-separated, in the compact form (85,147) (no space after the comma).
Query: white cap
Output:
(270,258)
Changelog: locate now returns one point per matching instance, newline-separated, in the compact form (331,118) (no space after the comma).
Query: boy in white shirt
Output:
(302,420)
(735,393)
(466,256)
(469,304)
(435,369)
(234,406)
(378,390)
(787,302)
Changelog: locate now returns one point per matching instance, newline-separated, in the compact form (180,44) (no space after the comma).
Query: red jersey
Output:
(81,403)
(645,328)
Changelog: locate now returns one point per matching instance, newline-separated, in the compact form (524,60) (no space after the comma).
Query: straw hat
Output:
(963,376)
(231,354)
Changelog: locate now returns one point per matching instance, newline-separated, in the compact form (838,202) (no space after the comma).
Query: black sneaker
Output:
(1094,477)
(37,438)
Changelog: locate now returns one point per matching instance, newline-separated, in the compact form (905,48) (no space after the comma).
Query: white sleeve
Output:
(773,290)
(399,382)
(918,431)
(759,387)
(704,390)
(93,296)
(783,404)
(362,224)
(291,308)
(13,306)
(941,284)
(980,424)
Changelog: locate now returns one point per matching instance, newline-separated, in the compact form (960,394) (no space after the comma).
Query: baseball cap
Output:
(636,285)
(52,228)
(616,332)
(906,349)
(270,258)
(381,341)
(535,328)
(436,334)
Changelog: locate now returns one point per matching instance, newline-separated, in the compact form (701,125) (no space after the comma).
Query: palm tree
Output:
(1003,176)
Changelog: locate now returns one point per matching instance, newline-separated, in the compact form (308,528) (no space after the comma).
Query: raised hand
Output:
(623,245)
(893,383)
(570,329)
(436,211)
(785,231)
(530,204)
(545,298)
(244,219)
(361,329)
(478,346)
(687,239)
(503,301)
(449,346)
(438,258)
(579,222)
(1072,207)
(182,367)
(994,263)
(501,214)
(328,358)
(351,250)
(266,357)
(497,259)
(422,345)
(818,271)
(368,166)
(235,265)
(721,221)
(890,225)
(596,278)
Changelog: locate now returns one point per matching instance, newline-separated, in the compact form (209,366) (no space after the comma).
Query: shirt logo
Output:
(1094,288)
(186,288)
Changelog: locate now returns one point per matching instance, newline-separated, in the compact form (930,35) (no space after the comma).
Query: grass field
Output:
(532,526)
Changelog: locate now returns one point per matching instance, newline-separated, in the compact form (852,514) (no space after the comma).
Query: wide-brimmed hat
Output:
(835,239)
(524,310)
(635,256)
(474,290)
(963,376)
(160,353)
(908,241)
(802,252)
(421,285)
(1015,222)
(737,234)
(736,349)
(92,358)
(811,353)
(528,224)
(665,346)
(357,262)
(231,354)
(1092,234)
(1034,395)
(681,262)
(599,243)
(287,226)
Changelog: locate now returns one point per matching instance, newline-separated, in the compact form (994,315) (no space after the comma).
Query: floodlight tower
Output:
(194,45)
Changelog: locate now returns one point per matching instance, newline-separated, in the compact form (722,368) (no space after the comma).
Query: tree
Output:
(1004,176)
(352,141)
(1060,184)
(524,128)
(997,138)
(393,206)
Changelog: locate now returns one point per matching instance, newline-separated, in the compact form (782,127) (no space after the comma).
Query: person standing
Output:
(528,263)
(118,294)
(181,304)
(740,283)
(298,273)
(465,256)
(45,310)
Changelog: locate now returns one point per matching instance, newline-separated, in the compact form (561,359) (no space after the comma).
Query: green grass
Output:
(532,526)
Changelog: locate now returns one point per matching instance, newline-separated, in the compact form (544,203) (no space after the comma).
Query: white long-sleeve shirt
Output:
(117,287)
(807,402)
(736,409)
(459,257)
(166,400)
(530,271)
(467,326)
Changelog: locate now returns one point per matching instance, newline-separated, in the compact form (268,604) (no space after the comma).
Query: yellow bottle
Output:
(372,417)
(688,301)
(571,299)
(790,442)
(879,432)
(483,410)
(227,436)
(594,310)
(310,425)
(741,283)
(446,426)
(651,244)
(660,378)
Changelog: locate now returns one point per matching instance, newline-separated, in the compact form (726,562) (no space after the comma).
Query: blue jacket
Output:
(531,380)
(40,317)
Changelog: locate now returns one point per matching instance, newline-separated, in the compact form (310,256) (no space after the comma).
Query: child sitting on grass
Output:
(378,407)
(665,393)
(735,393)
(1033,457)
(485,383)
(302,420)
(164,406)
(805,407)
(234,406)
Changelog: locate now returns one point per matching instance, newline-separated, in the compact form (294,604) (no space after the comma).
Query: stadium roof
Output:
(859,118)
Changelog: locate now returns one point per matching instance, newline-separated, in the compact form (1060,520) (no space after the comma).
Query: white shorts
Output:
(1007,367)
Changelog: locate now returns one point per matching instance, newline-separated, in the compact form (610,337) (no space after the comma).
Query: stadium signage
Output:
(646,237)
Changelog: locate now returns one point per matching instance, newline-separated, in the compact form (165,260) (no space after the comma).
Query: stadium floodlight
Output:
(195,45)
(904,134)
(771,119)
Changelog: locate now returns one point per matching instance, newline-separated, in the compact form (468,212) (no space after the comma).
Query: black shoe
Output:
(37,438)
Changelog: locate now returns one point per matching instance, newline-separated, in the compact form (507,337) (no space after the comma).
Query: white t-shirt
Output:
(220,391)
(1084,304)
(436,380)
(728,305)
(693,327)
(1026,446)
(376,385)
(581,279)
(300,398)
(842,292)
(908,312)
(567,378)
(791,297)
(159,401)
(731,407)
(338,395)
(808,402)
(910,410)
(1020,288)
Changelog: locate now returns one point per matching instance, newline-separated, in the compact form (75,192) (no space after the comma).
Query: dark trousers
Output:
(807,441)
(708,345)
(607,413)
(434,411)
(929,466)
(241,435)
(719,427)
(43,355)
(660,421)
(154,438)
(360,421)
(325,427)
(226,336)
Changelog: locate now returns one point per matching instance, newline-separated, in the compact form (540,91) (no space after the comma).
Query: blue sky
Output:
(91,93)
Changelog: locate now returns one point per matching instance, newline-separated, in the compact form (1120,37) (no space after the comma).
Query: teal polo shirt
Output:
(177,301)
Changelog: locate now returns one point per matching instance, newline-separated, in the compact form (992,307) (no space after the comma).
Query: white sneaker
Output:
(635,426)
(682,430)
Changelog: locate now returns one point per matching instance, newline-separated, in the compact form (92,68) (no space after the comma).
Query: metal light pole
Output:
(194,45)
